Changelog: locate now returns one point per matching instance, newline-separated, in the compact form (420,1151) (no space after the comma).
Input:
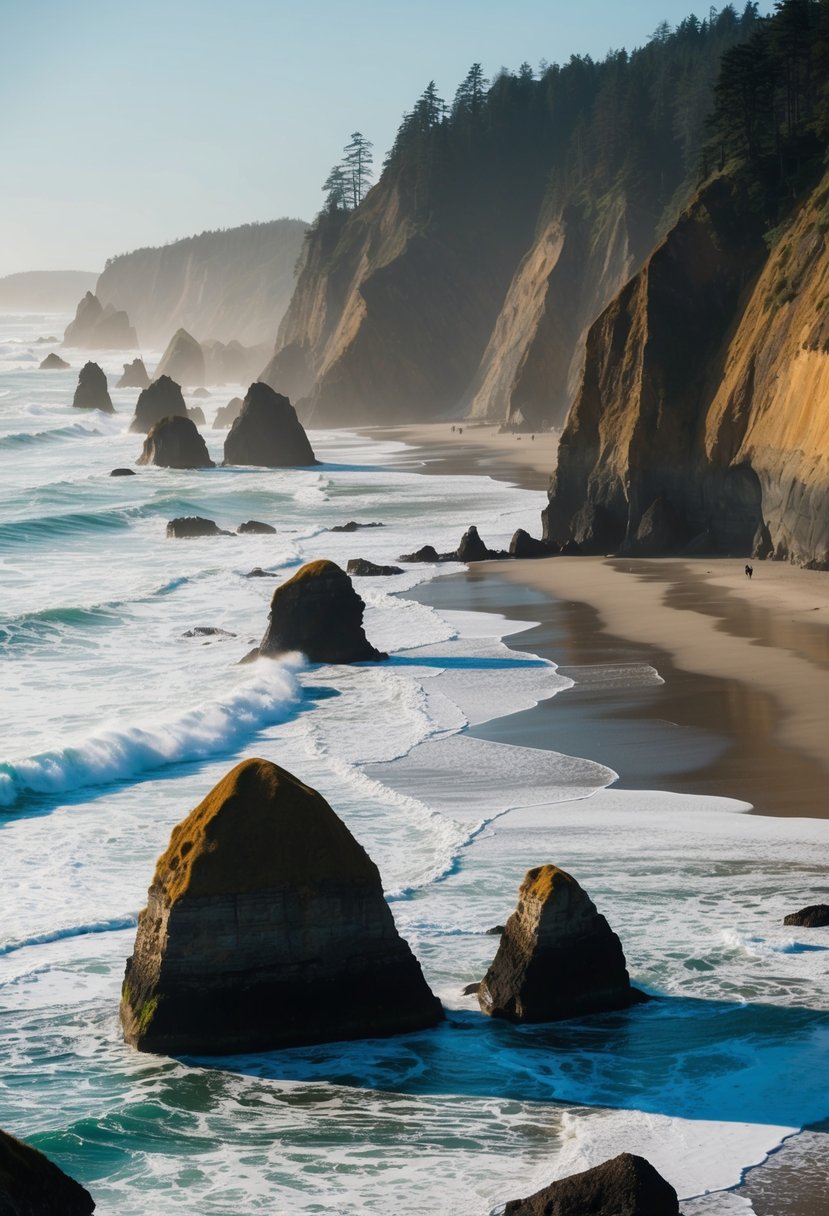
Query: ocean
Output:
(115,724)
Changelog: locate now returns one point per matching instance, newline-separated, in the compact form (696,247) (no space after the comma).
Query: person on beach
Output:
(749,571)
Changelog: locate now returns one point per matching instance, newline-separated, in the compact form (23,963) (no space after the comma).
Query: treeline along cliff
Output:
(500,227)
(702,419)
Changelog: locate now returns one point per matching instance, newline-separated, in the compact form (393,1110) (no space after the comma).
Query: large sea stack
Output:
(32,1185)
(175,443)
(266,927)
(558,958)
(626,1185)
(53,363)
(319,613)
(268,432)
(163,399)
(96,327)
(135,375)
(92,392)
(183,360)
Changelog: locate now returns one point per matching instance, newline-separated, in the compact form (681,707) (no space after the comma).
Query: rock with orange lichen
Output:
(558,957)
(319,613)
(266,927)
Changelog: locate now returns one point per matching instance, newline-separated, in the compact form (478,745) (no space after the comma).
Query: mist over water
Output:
(115,725)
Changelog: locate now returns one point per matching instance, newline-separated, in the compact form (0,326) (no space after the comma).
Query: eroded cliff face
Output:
(703,413)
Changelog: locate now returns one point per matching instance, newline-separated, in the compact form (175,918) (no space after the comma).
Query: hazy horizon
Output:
(240,122)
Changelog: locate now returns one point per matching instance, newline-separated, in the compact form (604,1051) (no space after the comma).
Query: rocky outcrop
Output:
(175,443)
(188,527)
(702,416)
(196,415)
(353,526)
(92,392)
(816,916)
(524,545)
(319,613)
(183,360)
(268,432)
(266,927)
(426,553)
(626,1185)
(362,568)
(97,327)
(122,473)
(53,363)
(227,414)
(235,283)
(471,548)
(558,957)
(32,1185)
(256,525)
(135,375)
(163,399)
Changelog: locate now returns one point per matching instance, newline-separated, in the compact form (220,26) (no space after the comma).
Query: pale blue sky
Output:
(132,122)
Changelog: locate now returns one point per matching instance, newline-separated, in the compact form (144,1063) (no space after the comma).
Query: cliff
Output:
(44,290)
(234,283)
(703,414)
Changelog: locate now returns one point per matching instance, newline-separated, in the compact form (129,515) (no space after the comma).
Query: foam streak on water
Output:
(115,724)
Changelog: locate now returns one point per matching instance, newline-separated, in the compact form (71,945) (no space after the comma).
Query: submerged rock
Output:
(267,432)
(175,443)
(558,958)
(183,360)
(32,1185)
(122,473)
(92,392)
(362,568)
(256,525)
(186,527)
(207,631)
(352,526)
(135,375)
(162,399)
(816,916)
(226,415)
(53,363)
(319,613)
(266,927)
(626,1185)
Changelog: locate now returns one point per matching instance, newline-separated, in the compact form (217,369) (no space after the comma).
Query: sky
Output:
(133,122)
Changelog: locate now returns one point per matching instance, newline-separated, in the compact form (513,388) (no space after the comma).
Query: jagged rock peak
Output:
(319,613)
(183,360)
(558,957)
(626,1185)
(266,927)
(32,1185)
(135,375)
(92,392)
(226,415)
(53,363)
(175,443)
(98,327)
(162,399)
(267,432)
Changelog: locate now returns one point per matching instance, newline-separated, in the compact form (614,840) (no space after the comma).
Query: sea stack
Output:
(626,1185)
(163,399)
(558,957)
(92,392)
(183,360)
(175,443)
(53,363)
(266,927)
(96,327)
(319,613)
(32,1185)
(135,375)
(268,432)
(226,415)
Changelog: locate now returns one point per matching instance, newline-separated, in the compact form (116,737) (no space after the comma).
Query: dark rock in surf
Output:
(268,433)
(523,545)
(163,399)
(188,527)
(352,526)
(256,526)
(122,473)
(558,958)
(816,916)
(32,1185)
(472,548)
(319,613)
(92,392)
(362,568)
(183,360)
(175,443)
(626,1185)
(53,363)
(135,375)
(425,554)
(227,414)
(266,927)
(258,572)
(207,631)
(496,931)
